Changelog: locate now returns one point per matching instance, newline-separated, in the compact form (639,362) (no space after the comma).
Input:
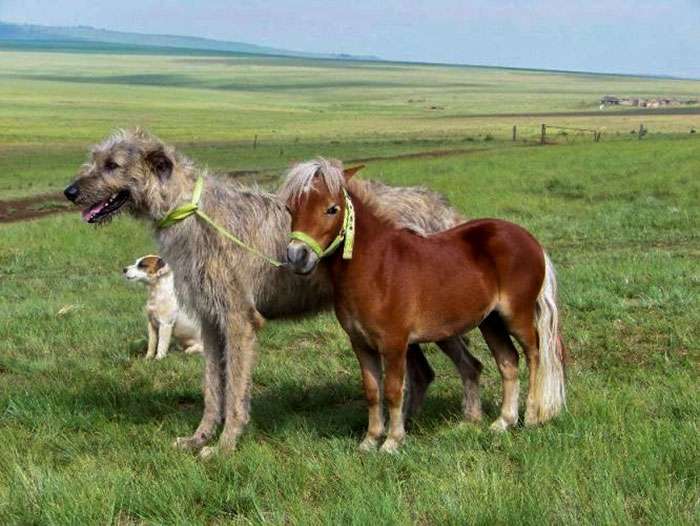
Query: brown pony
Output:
(393,287)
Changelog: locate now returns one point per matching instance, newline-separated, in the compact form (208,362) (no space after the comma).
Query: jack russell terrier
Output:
(165,318)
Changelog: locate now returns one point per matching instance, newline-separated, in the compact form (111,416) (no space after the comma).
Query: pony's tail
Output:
(550,393)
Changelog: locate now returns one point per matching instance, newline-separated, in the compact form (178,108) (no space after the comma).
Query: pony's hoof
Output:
(208,452)
(188,444)
(531,416)
(500,425)
(390,445)
(368,444)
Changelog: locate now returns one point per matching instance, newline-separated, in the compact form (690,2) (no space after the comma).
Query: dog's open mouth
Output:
(104,209)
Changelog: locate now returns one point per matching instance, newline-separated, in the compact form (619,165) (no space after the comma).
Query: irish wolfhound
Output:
(229,289)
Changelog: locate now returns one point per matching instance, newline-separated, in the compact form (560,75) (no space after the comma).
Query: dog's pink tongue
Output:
(89,213)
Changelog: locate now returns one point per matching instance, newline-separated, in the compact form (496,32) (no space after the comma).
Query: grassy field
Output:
(86,424)
(54,104)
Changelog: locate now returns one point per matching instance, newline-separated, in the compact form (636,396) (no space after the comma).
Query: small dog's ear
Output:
(161,267)
(161,164)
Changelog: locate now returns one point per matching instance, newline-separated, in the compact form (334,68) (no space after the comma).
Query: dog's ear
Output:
(160,163)
(161,267)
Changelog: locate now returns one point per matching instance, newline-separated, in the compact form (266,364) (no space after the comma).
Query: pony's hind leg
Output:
(506,356)
(394,377)
(469,368)
(524,330)
(371,367)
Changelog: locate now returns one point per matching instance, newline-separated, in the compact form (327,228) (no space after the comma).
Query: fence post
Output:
(544,134)
(255,142)
(515,132)
(642,132)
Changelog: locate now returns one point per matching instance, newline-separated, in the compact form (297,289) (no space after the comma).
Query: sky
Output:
(660,37)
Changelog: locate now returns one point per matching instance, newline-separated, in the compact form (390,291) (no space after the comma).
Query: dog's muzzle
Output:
(301,258)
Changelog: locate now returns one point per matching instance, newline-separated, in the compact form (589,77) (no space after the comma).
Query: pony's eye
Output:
(333,210)
(111,165)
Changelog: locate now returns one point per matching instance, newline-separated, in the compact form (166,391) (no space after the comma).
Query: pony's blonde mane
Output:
(302,177)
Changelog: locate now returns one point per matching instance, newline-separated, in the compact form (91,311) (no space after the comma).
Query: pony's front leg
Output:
(394,377)
(371,366)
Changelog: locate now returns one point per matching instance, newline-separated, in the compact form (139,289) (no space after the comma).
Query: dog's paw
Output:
(208,452)
(188,444)
(160,356)
(194,349)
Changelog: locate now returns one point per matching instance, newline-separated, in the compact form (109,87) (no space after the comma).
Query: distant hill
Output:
(88,35)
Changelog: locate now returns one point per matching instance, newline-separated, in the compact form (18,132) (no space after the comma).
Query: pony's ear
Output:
(349,172)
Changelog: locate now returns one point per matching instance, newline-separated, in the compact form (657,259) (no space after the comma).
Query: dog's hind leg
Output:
(165,332)
(469,368)
(152,340)
(240,353)
(213,390)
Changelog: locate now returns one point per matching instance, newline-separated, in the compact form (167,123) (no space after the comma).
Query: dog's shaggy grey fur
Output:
(230,290)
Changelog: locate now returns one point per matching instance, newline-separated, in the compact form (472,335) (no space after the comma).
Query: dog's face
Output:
(146,269)
(127,172)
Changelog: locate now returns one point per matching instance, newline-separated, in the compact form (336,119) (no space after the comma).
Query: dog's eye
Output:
(333,210)
(111,165)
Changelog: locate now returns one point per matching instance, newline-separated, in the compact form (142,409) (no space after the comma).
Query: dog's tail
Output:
(550,392)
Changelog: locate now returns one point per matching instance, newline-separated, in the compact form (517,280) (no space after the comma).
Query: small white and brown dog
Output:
(165,318)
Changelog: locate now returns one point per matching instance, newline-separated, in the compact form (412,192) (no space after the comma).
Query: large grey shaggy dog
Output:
(230,290)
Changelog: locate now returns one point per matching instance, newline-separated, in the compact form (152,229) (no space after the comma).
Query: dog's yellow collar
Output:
(184,211)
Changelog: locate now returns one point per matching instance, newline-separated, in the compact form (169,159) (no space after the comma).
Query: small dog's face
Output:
(128,171)
(146,269)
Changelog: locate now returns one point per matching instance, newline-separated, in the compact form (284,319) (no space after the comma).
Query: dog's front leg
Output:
(152,340)
(165,332)
(213,390)
(240,359)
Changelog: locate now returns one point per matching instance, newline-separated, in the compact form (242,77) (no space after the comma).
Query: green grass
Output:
(86,424)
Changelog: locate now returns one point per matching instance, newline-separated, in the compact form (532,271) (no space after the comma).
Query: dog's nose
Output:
(125,270)
(71,192)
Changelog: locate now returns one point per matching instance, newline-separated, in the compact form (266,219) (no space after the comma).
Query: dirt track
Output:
(42,205)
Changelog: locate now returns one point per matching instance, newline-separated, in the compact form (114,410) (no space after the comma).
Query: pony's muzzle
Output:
(300,258)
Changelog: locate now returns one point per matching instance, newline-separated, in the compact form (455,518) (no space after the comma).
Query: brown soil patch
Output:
(33,207)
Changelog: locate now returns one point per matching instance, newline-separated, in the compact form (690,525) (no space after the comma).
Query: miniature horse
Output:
(393,287)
